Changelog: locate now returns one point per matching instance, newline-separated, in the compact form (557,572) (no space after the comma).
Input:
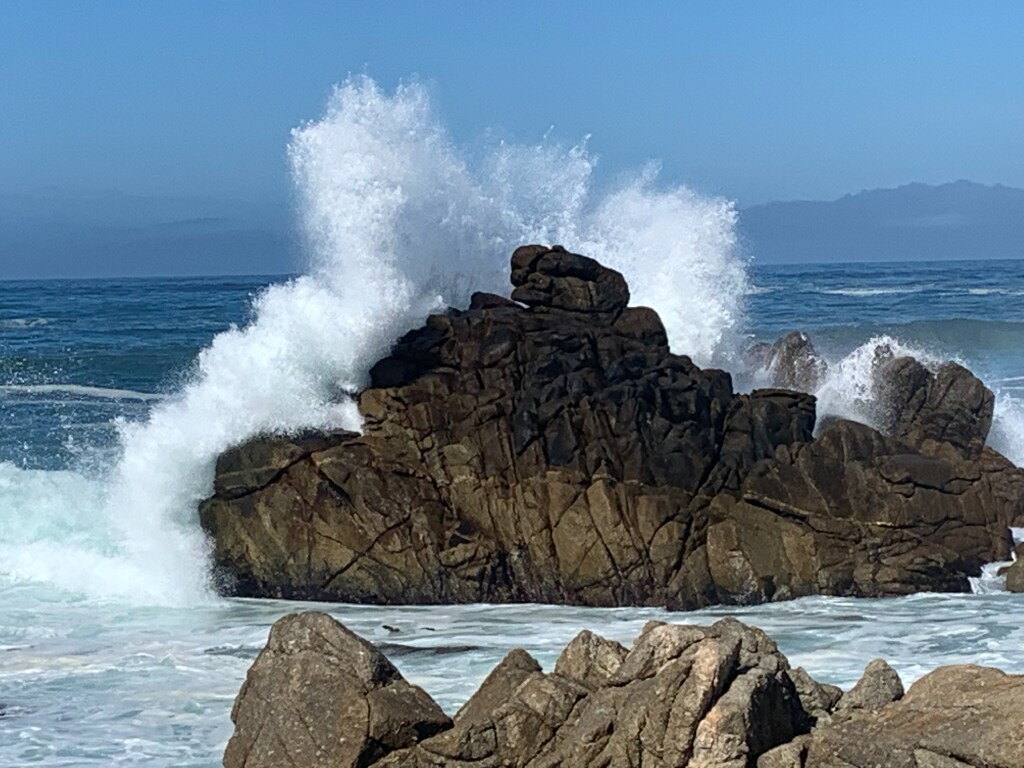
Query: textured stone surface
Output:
(953,717)
(878,686)
(561,453)
(794,363)
(681,696)
(318,695)
(934,411)
(1014,572)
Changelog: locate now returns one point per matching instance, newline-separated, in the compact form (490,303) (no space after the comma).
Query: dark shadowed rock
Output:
(561,453)
(819,700)
(318,695)
(793,362)
(951,407)
(555,278)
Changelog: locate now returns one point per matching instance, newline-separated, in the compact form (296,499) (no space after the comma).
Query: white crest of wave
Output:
(399,223)
(847,391)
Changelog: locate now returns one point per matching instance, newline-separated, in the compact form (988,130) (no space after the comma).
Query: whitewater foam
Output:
(77,390)
(399,223)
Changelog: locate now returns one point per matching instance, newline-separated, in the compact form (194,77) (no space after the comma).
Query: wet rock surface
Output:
(559,452)
(721,696)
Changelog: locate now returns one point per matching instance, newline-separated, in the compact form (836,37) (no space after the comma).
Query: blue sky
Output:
(752,100)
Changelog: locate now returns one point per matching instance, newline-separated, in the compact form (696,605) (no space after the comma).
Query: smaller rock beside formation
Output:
(318,695)
(954,717)
(932,411)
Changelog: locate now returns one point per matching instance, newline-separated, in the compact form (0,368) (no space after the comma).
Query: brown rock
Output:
(318,695)
(560,280)
(561,453)
(682,696)
(953,716)
(878,686)
(951,407)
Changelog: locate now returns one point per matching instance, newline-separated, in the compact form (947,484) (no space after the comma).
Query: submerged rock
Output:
(560,453)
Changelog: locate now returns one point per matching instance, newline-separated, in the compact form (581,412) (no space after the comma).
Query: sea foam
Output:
(399,222)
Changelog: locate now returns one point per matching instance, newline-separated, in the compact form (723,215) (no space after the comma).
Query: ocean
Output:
(116,396)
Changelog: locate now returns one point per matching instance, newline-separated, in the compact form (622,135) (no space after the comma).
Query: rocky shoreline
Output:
(706,697)
(550,448)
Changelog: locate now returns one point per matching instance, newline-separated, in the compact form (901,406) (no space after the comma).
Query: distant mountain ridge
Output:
(914,222)
(57,233)
(62,233)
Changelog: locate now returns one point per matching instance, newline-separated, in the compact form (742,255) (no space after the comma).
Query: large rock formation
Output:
(682,696)
(559,452)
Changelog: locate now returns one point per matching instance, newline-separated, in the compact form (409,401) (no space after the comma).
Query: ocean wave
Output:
(78,390)
(399,223)
(866,292)
(18,323)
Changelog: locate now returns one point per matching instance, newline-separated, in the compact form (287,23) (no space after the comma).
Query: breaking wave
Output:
(399,222)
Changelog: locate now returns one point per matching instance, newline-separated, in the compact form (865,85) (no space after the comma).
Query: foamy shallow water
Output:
(98,683)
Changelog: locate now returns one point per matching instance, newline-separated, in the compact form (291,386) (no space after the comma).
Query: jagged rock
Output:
(1014,572)
(318,695)
(681,696)
(561,453)
(561,280)
(879,685)
(794,363)
(819,700)
(951,407)
(954,717)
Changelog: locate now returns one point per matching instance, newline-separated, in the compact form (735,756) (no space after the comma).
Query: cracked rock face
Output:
(559,452)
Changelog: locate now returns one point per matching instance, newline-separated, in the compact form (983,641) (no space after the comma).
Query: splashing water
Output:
(398,223)
(846,391)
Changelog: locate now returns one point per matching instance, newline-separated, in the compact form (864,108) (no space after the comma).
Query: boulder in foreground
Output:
(682,696)
(318,695)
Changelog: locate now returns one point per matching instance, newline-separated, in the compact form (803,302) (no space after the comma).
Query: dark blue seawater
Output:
(77,354)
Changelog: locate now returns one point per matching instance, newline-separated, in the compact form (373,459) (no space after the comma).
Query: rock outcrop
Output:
(954,717)
(318,695)
(682,696)
(559,452)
